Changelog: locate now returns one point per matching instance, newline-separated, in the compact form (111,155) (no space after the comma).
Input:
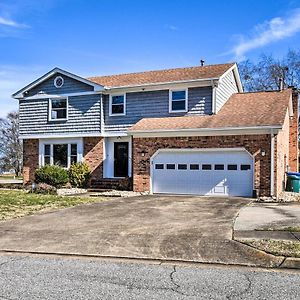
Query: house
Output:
(184,131)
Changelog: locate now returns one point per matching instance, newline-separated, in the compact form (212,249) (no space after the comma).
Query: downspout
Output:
(101,115)
(272,163)
(214,98)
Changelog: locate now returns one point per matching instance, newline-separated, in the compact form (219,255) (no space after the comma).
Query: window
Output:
(194,167)
(159,166)
(182,167)
(60,154)
(58,82)
(232,167)
(47,155)
(219,167)
(171,166)
(206,167)
(58,109)
(245,167)
(178,101)
(117,105)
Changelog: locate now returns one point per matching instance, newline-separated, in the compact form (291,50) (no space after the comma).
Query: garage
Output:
(227,172)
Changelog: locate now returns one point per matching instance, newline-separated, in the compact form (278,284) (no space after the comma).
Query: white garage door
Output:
(217,172)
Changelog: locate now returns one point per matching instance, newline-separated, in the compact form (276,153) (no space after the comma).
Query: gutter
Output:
(272,163)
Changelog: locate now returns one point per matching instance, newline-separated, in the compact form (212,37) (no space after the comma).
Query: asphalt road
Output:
(25,277)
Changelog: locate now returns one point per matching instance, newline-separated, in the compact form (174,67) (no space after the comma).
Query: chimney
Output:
(202,62)
(281,84)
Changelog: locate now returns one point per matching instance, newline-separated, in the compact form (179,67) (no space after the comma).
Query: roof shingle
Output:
(241,110)
(162,76)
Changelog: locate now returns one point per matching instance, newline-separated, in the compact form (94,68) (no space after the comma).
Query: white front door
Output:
(203,172)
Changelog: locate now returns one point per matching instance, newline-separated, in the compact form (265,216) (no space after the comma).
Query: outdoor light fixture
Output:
(143,153)
(263,152)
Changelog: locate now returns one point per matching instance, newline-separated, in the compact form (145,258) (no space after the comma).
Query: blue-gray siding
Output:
(155,104)
(70,86)
(84,116)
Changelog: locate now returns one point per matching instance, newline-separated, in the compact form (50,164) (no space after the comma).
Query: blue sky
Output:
(98,37)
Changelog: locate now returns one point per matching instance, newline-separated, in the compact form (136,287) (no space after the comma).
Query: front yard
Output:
(14,204)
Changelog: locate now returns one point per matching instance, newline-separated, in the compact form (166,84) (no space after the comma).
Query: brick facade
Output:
(30,159)
(93,156)
(293,148)
(254,144)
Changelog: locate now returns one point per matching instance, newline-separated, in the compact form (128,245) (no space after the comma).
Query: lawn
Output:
(14,204)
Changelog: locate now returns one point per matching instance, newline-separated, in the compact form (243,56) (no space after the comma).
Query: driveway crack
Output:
(177,286)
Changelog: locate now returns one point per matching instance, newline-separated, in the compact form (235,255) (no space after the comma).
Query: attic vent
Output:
(58,82)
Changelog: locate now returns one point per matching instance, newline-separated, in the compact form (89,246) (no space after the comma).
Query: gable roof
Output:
(163,76)
(241,110)
(19,94)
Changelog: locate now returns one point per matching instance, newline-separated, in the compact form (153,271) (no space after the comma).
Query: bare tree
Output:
(267,72)
(10,145)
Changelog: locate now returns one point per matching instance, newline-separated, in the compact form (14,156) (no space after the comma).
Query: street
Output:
(42,277)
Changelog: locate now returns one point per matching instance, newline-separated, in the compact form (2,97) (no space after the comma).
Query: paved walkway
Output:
(186,228)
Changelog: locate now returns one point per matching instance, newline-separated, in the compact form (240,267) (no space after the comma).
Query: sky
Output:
(98,37)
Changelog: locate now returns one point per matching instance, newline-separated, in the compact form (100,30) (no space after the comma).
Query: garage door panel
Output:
(235,182)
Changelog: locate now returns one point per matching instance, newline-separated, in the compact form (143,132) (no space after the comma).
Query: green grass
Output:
(276,247)
(14,204)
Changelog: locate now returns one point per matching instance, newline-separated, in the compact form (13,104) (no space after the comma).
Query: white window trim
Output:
(52,142)
(110,105)
(186,100)
(50,109)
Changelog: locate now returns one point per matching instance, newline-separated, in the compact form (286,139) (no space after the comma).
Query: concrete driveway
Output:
(152,227)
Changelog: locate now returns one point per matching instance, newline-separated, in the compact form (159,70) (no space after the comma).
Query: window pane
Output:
(178,105)
(171,166)
(232,167)
(47,150)
(61,114)
(118,99)
(73,159)
(178,95)
(219,167)
(60,155)
(206,167)
(182,166)
(117,109)
(245,167)
(194,167)
(159,166)
(62,103)
(47,160)
(73,149)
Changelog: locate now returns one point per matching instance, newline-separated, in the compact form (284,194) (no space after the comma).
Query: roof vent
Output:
(202,61)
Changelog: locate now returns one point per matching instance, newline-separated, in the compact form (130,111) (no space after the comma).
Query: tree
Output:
(267,72)
(10,145)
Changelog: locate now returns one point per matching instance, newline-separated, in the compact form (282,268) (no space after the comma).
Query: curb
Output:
(290,263)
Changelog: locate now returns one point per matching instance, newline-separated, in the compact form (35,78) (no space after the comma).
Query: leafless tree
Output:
(266,73)
(10,145)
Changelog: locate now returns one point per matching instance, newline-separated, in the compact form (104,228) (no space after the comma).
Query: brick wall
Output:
(93,156)
(30,159)
(252,143)
(293,151)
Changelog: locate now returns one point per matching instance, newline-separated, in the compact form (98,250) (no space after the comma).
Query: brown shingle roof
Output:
(161,76)
(241,110)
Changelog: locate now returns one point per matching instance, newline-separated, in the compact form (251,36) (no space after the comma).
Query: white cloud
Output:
(270,31)
(171,27)
(11,23)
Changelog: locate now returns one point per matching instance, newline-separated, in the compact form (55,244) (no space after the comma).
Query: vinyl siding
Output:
(83,116)
(70,86)
(155,104)
(227,86)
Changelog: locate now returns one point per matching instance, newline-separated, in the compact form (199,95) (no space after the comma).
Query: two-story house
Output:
(183,131)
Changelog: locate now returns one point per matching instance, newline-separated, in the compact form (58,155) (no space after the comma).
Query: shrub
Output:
(44,188)
(52,175)
(79,174)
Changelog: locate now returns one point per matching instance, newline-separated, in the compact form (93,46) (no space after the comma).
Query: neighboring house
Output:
(184,131)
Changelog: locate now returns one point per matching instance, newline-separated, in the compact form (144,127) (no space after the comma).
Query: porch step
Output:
(96,190)
(110,184)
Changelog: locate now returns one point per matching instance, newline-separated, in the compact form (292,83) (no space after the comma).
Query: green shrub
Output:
(52,175)
(79,174)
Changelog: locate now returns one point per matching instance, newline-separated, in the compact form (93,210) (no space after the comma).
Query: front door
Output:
(120,159)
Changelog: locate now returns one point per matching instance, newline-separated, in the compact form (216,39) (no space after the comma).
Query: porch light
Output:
(143,153)
(263,152)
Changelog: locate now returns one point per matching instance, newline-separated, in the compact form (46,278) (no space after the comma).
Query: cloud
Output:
(269,32)
(11,23)
(171,27)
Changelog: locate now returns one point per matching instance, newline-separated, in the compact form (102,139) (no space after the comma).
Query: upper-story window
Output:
(117,105)
(178,101)
(58,109)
